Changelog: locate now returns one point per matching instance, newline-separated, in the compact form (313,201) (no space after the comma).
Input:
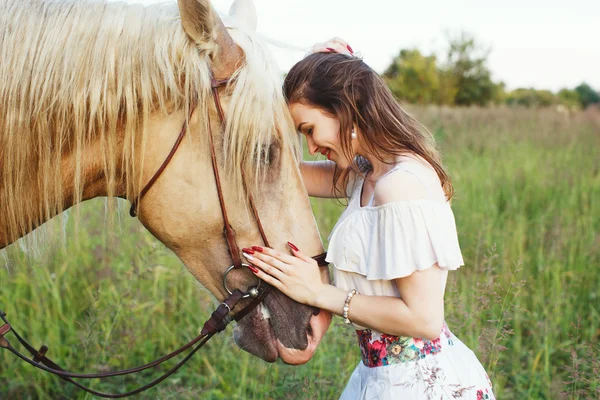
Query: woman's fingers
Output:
(337,47)
(271,280)
(340,45)
(277,255)
(268,264)
(318,48)
(335,44)
(297,253)
(338,40)
(272,260)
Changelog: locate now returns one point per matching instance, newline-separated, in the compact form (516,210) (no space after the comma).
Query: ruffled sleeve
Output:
(395,239)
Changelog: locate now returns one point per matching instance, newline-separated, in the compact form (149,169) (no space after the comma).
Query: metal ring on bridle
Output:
(252,292)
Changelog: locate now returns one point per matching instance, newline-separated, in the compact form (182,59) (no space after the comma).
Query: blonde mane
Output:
(80,71)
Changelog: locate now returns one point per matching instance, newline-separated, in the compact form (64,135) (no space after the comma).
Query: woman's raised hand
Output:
(335,45)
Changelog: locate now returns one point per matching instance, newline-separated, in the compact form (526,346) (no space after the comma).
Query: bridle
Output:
(219,319)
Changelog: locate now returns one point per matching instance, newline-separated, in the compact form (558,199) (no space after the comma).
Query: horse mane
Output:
(80,71)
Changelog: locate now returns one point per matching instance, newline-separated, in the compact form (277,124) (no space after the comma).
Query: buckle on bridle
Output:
(226,305)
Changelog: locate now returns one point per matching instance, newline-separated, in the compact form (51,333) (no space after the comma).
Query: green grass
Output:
(527,301)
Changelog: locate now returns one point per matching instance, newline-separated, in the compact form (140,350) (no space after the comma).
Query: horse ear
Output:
(244,12)
(197,18)
(202,24)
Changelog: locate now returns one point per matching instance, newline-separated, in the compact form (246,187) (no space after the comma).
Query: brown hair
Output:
(346,88)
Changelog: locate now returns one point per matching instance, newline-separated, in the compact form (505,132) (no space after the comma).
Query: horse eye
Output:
(271,153)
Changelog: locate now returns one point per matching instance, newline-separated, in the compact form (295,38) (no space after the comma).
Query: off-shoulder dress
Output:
(369,247)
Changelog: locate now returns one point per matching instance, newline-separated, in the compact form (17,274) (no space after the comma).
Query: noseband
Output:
(219,319)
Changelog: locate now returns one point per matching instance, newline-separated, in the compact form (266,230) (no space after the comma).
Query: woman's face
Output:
(322,132)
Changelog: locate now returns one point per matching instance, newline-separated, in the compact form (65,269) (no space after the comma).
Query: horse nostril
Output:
(309,330)
(316,311)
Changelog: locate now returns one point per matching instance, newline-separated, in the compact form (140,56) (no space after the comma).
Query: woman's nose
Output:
(312,147)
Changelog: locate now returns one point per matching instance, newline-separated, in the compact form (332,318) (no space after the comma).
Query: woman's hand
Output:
(335,45)
(297,276)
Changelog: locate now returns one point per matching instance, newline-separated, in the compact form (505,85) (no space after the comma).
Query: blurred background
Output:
(510,92)
(516,50)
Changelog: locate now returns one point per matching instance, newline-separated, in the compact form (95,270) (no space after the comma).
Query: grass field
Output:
(527,301)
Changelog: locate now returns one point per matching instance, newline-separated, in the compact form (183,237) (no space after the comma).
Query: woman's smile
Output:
(320,128)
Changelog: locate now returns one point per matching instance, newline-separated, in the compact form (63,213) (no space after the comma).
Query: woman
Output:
(394,244)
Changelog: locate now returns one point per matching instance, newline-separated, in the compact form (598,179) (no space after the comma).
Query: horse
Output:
(93,95)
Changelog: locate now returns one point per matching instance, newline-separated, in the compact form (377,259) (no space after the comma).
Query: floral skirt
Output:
(406,368)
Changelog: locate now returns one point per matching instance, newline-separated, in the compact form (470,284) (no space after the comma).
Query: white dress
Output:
(369,247)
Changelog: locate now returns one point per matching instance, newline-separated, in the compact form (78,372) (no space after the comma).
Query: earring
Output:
(353,135)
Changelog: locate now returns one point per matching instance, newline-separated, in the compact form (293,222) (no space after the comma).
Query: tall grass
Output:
(527,301)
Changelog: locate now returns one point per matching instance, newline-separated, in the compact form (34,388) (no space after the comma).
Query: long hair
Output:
(74,72)
(346,88)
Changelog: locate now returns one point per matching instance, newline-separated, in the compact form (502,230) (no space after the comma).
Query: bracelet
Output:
(347,304)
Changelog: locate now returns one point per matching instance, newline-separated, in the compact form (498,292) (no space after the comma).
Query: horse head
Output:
(82,129)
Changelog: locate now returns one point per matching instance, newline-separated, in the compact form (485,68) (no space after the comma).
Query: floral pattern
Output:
(483,394)
(389,349)
(416,369)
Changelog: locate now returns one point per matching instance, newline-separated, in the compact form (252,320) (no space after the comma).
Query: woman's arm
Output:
(318,179)
(419,313)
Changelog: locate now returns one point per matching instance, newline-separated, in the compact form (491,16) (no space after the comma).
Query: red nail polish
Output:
(253,269)
(292,246)
(248,251)
(350,49)
(258,248)
(330,49)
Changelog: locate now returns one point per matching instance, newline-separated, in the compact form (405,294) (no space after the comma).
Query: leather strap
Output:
(228,230)
(215,84)
(49,366)
(218,322)
(134,204)
(219,319)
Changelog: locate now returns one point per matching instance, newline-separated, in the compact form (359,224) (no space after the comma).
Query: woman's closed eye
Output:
(304,129)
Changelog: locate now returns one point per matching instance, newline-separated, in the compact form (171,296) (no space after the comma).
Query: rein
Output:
(219,319)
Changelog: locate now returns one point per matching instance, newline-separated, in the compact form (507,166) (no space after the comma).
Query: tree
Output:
(448,89)
(531,97)
(569,98)
(499,93)
(587,95)
(467,64)
(413,77)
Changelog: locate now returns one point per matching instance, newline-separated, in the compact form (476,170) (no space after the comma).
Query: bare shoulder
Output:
(413,180)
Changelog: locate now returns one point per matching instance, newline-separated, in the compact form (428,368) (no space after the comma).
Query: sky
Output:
(547,44)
